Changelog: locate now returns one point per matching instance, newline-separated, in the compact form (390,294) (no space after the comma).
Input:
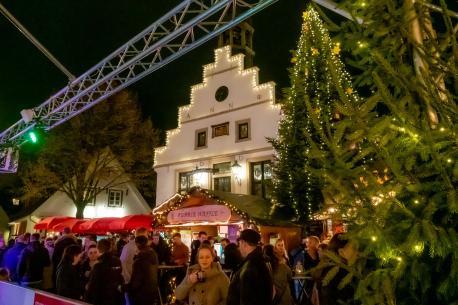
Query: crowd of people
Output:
(127,269)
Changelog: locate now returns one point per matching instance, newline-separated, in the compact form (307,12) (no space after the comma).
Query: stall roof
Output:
(257,208)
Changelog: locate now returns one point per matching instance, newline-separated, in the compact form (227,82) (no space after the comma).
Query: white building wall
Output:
(247,100)
(60,205)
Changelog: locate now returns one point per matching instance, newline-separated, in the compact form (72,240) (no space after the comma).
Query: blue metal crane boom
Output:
(187,26)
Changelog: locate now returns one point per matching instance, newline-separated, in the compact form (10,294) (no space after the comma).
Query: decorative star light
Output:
(336,49)
(315,51)
(349,90)
(305,15)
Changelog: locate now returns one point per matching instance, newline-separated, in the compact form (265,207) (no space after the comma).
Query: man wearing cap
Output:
(252,284)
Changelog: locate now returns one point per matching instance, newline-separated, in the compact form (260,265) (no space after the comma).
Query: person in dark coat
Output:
(162,249)
(63,242)
(87,264)
(67,276)
(122,241)
(196,244)
(232,257)
(32,261)
(11,257)
(252,283)
(105,281)
(143,285)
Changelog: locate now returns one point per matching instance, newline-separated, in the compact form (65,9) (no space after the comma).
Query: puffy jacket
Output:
(105,281)
(143,285)
(33,259)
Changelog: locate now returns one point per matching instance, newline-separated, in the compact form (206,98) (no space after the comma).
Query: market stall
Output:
(222,215)
(48,223)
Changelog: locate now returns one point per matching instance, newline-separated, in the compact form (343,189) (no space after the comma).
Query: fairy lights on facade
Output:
(223,60)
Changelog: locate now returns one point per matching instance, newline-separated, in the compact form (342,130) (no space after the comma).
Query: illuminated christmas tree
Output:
(319,87)
(389,164)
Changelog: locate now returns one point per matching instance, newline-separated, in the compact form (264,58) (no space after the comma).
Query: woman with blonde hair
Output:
(205,283)
(282,276)
(280,249)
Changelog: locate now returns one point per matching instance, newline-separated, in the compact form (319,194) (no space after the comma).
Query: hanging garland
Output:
(174,205)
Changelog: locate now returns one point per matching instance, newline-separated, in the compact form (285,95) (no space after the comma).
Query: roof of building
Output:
(253,207)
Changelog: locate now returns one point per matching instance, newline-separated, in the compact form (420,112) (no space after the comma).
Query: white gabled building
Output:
(120,199)
(228,121)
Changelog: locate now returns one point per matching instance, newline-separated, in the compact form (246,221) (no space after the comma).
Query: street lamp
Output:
(200,176)
(236,169)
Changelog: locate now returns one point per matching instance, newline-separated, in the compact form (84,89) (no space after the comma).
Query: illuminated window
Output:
(222,168)
(201,139)
(220,130)
(261,179)
(222,184)
(242,130)
(185,182)
(115,198)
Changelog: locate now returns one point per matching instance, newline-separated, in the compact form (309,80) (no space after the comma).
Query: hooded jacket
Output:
(213,291)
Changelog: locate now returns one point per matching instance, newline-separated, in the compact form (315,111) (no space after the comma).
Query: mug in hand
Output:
(201,276)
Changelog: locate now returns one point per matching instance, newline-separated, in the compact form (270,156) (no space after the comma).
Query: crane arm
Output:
(187,26)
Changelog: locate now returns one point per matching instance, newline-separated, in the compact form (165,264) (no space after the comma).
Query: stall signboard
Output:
(205,213)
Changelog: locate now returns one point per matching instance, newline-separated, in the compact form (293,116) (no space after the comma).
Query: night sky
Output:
(81,33)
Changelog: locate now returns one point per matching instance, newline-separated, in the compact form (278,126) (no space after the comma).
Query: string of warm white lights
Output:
(177,201)
(223,60)
(318,76)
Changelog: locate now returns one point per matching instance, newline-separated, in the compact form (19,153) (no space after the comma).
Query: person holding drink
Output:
(205,283)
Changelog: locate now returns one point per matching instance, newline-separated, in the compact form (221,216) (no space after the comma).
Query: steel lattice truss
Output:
(187,26)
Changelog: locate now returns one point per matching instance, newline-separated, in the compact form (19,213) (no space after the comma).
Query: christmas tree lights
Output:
(318,81)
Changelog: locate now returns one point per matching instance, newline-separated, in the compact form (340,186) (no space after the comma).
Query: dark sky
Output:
(81,33)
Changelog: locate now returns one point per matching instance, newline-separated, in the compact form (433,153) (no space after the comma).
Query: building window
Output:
(201,138)
(222,184)
(220,130)
(242,130)
(185,182)
(261,179)
(222,168)
(115,198)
